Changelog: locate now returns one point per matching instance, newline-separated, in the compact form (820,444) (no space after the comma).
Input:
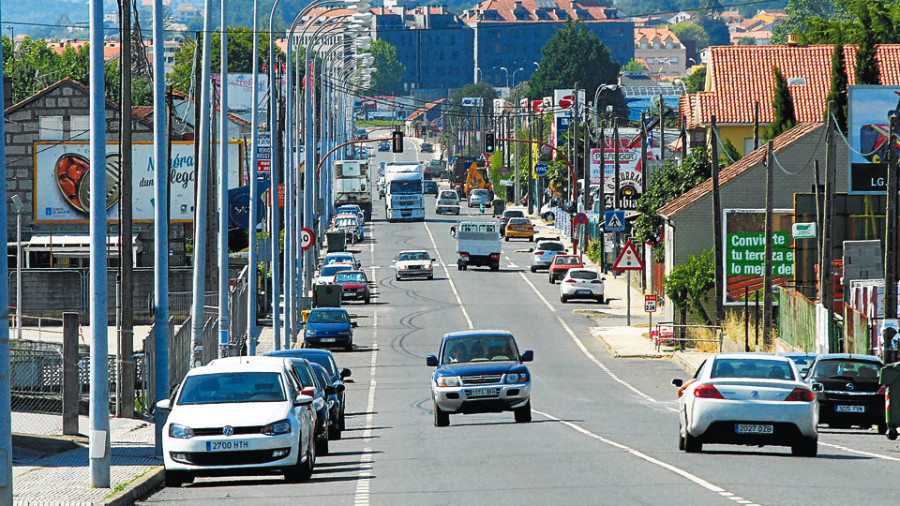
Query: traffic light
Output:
(488,142)
(397,142)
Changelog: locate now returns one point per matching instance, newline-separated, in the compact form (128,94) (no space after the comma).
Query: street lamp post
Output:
(18,206)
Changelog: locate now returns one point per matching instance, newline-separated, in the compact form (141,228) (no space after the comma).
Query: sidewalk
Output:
(619,339)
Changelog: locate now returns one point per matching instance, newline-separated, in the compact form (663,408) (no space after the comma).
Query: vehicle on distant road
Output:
(480,371)
(413,264)
(447,202)
(479,197)
(848,390)
(328,272)
(544,251)
(351,185)
(341,257)
(354,285)
(477,244)
(352,227)
(404,199)
(749,399)
(352,209)
(430,187)
(561,264)
(506,215)
(313,388)
(519,228)
(333,394)
(427,147)
(328,327)
(238,416)
(582,284)
(384,146)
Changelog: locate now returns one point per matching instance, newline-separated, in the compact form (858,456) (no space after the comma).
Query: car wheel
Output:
(533,269)
(342,422)
(459,267)
(334,432)
(550,279)
(563,299)
(882,427)
(302,470)
(175,478)
(495,266)
(692,444)
(523,414)
(808,447)
(892,433)
(441,417)
(431,277)
(348,346)
(506,239)
(367,300)
(322,444)
(600,299)
(680,441)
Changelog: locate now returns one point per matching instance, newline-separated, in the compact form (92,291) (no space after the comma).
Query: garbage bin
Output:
(890,377)
(327,295)
(499,207)
(335,240)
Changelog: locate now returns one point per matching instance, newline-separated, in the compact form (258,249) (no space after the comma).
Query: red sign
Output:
(504,171)
(281,195)
(566,101)
(537,106)
(650,303)
(581,218)
(263,165)
(628,259)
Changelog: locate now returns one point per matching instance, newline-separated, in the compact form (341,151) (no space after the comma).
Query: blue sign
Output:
(614,221)
(239,205)
(540,169)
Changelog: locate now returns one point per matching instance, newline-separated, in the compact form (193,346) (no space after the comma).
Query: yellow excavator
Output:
(475,179)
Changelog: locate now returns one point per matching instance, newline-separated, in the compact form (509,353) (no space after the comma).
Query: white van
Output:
(447,202)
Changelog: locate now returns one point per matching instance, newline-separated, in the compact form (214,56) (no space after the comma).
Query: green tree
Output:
(575,55)
(691,31)
(717,30)
(634,66)
(803,15)
(494,171)
(667,183)
(783,104)
(689,284)
(388,76)
(746,41)
(866,67)
(838,91)
(240,49)
(696,81)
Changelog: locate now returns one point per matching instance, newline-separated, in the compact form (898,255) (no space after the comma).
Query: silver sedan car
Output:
(413,264)
(543,253)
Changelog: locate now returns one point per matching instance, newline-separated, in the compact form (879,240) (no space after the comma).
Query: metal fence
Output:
(796,319)
(665,334)
(857,332)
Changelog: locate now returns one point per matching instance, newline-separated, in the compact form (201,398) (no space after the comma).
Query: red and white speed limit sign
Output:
(306,238)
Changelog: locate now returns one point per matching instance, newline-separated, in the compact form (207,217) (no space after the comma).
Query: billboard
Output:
(62,174)
(745,247)
(868,110)
(240,90)
(630,174)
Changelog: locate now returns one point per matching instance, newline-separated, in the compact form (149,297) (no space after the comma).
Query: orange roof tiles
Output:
(505,10)
(741,75)
(737,168)
(653,34)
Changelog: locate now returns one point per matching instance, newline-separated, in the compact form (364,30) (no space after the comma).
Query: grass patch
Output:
(121,486)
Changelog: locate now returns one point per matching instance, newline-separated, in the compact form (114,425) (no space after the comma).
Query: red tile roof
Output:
(654,34)
(741,75)
(734,170)
(422,111)
(505,11)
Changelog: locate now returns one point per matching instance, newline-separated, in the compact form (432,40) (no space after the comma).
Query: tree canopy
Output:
(783,105)
(388,76)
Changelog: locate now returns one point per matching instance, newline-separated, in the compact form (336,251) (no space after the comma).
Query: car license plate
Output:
(225,446)
(850,409)
(327,339)
(582,292)
(752,428)
(484,392)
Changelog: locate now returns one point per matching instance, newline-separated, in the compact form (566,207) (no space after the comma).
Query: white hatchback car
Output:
(239,416)
(752,399)
(328,272)
(581,284)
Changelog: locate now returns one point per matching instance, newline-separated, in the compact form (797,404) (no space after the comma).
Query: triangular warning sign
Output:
(628,259)
(614,223)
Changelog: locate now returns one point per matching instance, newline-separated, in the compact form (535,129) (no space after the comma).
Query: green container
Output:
(335,240)
(499,207)
(890,376)
(327,295)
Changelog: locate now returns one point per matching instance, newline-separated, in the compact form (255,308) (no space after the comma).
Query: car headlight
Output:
(310,332)
(402,267)
(344,333)
(276,428)
(516,378)
(179,431)
(427,267)
(448,381)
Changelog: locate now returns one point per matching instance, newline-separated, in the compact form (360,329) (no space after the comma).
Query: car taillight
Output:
(707,392)
(538,253)
(463,254)
(801,395)
(570,280)
(597,281)
(495,255)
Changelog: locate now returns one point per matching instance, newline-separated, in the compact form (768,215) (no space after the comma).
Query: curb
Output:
(138,489)
(680,361)
(609,348)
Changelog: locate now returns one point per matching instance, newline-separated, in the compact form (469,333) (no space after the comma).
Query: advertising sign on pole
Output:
(868,110)
(240,90)
(264,155)
(650,303)
(62,190)
(631,174)
(744,252)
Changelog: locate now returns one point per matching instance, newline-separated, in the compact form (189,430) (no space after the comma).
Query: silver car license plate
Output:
(225,446)
(483,392)
(850,409)
(753,428)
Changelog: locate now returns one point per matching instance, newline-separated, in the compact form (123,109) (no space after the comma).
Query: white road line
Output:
(365,462)
(860,452)
(643,456)
(540,296)
(449,280)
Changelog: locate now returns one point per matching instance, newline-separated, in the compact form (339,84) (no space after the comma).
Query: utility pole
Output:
(755,125)
(767,270)
(125,379)
(648,259)
(223,209)
(684,140)
(717,228)
(662,128)
(890,236)
(6,449)
(588,205)
(601,195)
(530,172)
(616,192)
(825,278)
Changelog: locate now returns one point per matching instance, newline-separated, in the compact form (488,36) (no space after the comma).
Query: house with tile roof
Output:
(737,77)
(660,48)
(512,33)
(742,185)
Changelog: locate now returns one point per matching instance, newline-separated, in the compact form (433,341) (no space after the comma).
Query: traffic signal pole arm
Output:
(339,146)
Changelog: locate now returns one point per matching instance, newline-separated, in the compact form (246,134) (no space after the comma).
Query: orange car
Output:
(519,228)
(561,265)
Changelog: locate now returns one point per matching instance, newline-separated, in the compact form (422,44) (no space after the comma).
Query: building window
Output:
(79,127)
(455,55)
(51,128)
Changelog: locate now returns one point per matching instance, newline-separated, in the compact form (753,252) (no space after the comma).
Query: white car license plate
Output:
(484,392)
(850,409)
(752,428)
(225,446)
(582,292)
(327,339)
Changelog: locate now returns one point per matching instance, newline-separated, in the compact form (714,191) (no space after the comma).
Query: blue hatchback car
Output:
(480,371)
(328,326)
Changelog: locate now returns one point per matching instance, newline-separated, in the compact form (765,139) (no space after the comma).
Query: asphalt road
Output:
(604,430)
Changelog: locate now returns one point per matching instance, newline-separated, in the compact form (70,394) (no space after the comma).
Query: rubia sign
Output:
(630,174)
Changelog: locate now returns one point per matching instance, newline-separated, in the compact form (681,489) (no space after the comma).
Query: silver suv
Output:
(479,196)
(543,253)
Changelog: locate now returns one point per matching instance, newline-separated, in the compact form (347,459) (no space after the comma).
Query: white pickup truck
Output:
(478,244)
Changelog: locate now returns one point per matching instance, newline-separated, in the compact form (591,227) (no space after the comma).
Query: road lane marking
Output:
(643,456)
(539,294)
(449,280)
(365,461)
(860,452)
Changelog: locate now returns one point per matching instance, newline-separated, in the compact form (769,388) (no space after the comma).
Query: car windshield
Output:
(752,368)
(448,194)
(350,277)
(331,270)
(479,349)
(328,317)
(406,187)
(567,260)
(338,259)
(847,369)
(514,214)
(232,387)
(480,193)
(583,274)
(413,256)
(322,375)
(518,221)
(551,246)
(348,222)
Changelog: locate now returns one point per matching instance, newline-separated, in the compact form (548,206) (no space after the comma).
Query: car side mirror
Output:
(527,356)
(345,373)
(164,404)
(677,382)
(818,387)
(354,325)
(431,360)
(339,388)
(330,390)
(530,250)
(302,400)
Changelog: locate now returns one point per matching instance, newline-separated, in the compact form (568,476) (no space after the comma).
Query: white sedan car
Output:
(750,399)
(239,416)
(581,284)
(413,264)
(328,272)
